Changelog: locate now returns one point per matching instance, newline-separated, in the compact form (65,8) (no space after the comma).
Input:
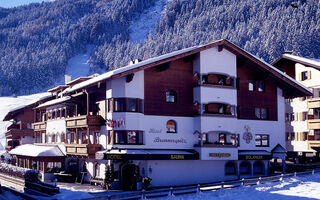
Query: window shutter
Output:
(296,136)
(309,75)
(301,136)
(295,116)
(299,76)
(301,118)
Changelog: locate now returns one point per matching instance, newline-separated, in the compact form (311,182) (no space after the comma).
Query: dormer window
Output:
(171,96)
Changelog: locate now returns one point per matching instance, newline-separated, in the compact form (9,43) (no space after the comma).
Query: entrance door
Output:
(130,174)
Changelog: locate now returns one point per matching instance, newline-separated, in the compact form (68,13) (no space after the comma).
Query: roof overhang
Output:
(147,154)
(291,87)
(304,61)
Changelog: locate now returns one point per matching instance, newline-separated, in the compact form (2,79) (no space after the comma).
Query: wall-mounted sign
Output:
(255,157)
(152,130)
(165,140)
(247,135)
(193,156)
(220,155)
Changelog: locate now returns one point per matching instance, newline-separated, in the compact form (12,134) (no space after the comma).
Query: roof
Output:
(13,112)
(312,62)
(32,150)
(278,149)
(59,87)
(78,80)
(253,152)
(287,81)
(54,101)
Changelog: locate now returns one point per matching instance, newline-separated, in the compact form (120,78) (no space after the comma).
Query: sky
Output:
(14,3)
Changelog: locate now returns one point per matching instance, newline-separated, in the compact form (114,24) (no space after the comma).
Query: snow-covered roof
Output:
(194,49)
(55,101)
(126,68)
(42,96)
(38,150)
(309,61)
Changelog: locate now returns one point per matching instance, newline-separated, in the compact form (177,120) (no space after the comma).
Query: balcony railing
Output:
(313,143)
(82,149)
(314,124)
(314,103)
(39,126)
(84,121)
(16,133)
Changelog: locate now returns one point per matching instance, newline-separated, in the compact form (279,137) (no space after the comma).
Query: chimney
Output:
(67,79)
(137,61)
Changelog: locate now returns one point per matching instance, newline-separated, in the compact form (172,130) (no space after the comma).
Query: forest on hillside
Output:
(37,40)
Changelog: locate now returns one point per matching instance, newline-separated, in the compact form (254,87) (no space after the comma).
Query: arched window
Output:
(258,167)
(171,96)
(53,138)
(230,168)
(245,167)
(171,126)
(97,170)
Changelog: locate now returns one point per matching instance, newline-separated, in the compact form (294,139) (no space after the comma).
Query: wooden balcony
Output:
(314,124)
(39,126)
(84,121)
(82,149)
(313,144)
(314,103)
(17,133)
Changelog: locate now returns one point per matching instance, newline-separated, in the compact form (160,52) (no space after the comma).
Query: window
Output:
(218,79)
(258,167)
(252,85)
(132,105)
(219,108)
(304,75)
(171,126)
(96,137)
(119,105)
(260,86)
(222,138)
(53,138)
(304,136)
(245,167)
(230,168)
(126,137)
(171,96)
(261,113)
(97,170)
(262,140)
(304,116)
(125,105)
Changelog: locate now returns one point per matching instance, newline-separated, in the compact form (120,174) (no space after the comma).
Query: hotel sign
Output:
(220,155)
(255,157)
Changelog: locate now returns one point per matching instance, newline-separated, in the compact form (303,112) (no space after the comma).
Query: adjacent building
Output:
(202,114)
(303,113)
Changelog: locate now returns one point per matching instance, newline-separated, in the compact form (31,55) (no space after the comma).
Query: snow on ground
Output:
(295,188)
(144,23)
(6,195)
(9,103)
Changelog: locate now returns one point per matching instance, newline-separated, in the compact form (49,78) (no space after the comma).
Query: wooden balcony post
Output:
(88,101)
(77,136)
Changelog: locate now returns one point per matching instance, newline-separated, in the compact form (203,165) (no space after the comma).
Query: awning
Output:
(55,101)
(254,155)
(38,151)
(147,154)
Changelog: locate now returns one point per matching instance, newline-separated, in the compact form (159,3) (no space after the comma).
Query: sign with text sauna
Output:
(193,156)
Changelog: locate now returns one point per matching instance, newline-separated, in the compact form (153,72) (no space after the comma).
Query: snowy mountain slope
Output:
(78,66)
(10,103)
(144,23)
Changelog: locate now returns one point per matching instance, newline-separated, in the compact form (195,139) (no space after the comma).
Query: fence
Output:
(202,187)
